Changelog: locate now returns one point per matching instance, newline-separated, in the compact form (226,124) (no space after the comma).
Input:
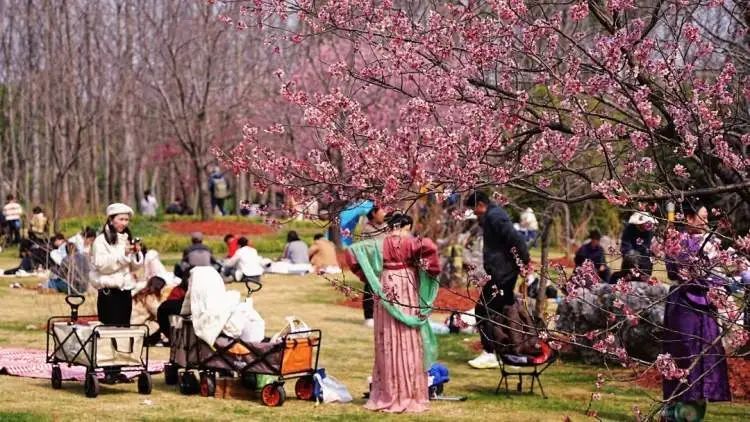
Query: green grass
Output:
(21,417)
(347,353)
(156,236)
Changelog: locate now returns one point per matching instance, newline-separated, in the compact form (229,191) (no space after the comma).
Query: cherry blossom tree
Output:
(633,102)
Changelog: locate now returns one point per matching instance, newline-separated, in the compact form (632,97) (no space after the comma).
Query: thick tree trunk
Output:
(204,197)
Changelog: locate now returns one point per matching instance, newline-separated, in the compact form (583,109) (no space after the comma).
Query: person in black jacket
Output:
(593,251)
(503,246)
(636,239)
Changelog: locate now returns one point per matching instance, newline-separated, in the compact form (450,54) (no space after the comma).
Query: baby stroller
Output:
(294,356)
(102,349)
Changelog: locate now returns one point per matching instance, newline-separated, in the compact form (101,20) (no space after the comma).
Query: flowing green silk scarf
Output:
(370,258)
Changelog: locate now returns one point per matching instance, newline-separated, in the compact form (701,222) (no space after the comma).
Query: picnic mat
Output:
(31,363)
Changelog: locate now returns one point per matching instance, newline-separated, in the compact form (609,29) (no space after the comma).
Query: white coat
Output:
(111,267)
(215,309)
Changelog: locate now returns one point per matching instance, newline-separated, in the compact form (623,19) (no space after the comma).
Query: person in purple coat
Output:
(691,332)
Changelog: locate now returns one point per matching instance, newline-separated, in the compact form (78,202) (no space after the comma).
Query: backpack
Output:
(221,188)
(514,331)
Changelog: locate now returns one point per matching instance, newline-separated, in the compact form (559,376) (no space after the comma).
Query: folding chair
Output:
(538,365)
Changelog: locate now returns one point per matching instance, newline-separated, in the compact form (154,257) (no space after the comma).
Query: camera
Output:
(135,241)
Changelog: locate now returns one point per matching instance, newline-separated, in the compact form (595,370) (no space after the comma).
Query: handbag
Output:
(293,325)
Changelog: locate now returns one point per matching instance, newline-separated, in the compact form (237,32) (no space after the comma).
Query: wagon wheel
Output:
(171,376)
(144,383)
(304,389)
(91,385)
(208,384)
(189,383)
(56,377)
(273,395)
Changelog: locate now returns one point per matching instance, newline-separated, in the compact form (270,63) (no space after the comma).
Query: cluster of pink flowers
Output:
(609,346)
(584,277)
(668,368)
(423,113)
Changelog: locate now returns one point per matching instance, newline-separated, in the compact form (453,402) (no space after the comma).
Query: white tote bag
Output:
(332,389)
(293,325)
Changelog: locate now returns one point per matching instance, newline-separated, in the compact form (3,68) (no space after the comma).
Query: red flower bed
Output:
(218,228)
(739,379)
(447,299)
(566,262)
(460,299)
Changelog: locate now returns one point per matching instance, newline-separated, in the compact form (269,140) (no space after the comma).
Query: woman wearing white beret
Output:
(116,255)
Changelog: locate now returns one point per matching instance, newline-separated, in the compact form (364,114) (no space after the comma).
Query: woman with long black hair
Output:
(116,255)
(401,269)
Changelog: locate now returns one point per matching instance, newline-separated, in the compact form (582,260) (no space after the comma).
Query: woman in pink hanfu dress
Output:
(404,288)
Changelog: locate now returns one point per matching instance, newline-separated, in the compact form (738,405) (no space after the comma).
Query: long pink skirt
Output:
(399,381)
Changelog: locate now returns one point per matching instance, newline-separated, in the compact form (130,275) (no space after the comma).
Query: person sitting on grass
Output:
(245,208)
(323,256)
(197,254)
(179,207)
(83,239)
(231,242)
(245,263)
(58,249)
(146,306)
(294,259)
(72,275)
(152,266)
(26,254)
(295,250)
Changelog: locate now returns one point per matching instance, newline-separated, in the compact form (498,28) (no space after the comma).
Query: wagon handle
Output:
(74,301)
(252,286)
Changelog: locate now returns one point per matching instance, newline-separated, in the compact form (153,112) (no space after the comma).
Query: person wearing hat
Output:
(636,239)
(115,255)
(593,251)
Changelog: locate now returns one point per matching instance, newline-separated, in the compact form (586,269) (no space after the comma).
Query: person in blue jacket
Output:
(349,218)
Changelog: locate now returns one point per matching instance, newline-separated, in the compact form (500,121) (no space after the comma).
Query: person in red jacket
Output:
(231,241)
(171,306)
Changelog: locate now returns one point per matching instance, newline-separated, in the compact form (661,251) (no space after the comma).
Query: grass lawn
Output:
(346,353)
